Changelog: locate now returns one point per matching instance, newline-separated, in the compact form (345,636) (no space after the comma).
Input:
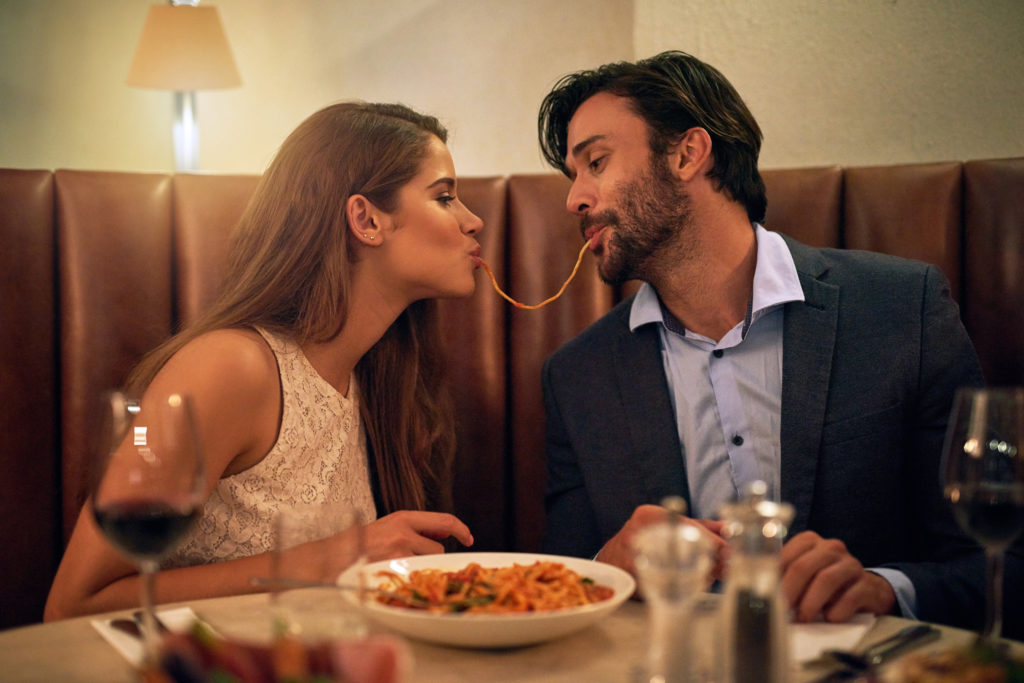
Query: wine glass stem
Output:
(994,603)
(150,633)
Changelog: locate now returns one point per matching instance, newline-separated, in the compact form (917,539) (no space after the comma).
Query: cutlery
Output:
(161,627)
(133,626)
(128,626)
(301,583)
(856,663)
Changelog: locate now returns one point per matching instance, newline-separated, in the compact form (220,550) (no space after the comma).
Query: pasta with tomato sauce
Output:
(518,588)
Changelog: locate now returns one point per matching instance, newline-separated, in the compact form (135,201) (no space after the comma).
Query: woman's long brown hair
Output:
(289,273)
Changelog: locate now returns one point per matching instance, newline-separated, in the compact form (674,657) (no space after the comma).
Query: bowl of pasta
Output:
(488,600)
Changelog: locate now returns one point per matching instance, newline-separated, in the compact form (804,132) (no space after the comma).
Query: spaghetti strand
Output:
(533,307)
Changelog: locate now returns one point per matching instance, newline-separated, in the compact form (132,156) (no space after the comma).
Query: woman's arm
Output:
(232,378)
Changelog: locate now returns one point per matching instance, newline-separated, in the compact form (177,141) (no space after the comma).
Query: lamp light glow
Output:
(184,48)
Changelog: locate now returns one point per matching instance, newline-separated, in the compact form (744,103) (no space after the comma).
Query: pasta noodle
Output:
(533,307)
(519,588)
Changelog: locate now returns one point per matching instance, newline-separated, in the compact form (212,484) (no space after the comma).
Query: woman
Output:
(316,374)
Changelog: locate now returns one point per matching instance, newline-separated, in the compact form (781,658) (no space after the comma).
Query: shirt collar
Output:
(775,282)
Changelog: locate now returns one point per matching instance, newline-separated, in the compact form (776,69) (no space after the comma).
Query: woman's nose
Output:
(472,223)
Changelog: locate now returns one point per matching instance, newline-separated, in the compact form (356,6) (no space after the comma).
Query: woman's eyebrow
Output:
(450,182)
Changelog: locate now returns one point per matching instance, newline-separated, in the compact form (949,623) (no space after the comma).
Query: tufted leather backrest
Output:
(29,436)
(475,330)
(543,244)
(114,283)
(97,268)
(913,211)
(993,237)
(205,211)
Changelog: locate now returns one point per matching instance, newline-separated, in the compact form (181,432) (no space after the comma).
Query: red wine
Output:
(992,515)
(144,529)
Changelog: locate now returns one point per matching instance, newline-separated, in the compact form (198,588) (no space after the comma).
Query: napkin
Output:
(808,641)
(177,619)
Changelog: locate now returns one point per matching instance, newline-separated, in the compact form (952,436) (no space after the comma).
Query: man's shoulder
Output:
(852,264)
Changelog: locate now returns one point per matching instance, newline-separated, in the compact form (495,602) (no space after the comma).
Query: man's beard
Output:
(654,212)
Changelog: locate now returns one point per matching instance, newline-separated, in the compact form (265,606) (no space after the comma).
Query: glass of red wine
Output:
(150,487)
(983,474)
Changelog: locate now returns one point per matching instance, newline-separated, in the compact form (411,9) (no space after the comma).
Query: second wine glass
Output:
(983,477)
(149,489)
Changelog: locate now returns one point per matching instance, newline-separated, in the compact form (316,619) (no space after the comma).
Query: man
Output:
(746,356)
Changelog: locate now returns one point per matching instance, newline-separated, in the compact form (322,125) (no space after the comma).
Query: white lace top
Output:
(319,457)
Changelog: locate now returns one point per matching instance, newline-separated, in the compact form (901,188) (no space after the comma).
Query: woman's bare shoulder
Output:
(227,362)
(233,378)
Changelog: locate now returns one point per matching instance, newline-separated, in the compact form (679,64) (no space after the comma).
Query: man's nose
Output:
(579,200)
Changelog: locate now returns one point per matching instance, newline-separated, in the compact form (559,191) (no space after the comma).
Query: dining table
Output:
(612,650)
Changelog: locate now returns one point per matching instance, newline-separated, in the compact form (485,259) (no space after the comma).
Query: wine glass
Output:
(149,488)
(983,474)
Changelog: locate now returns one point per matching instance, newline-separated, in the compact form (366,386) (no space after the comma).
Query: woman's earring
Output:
(369,237)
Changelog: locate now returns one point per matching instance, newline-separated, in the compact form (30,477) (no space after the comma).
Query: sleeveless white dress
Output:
(319,457)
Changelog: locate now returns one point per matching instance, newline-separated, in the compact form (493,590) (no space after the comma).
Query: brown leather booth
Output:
(98,267)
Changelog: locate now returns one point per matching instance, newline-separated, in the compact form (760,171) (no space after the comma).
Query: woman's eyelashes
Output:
(446,199)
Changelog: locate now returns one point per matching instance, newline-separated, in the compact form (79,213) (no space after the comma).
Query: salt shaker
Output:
(673,561)
(754,612)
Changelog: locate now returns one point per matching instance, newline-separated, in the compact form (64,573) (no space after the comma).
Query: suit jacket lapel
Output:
(809,338)
(647,408)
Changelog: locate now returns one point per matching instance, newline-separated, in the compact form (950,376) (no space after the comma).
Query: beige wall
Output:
(851,82)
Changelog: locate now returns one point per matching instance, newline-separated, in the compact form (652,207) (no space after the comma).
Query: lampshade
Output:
(183,48)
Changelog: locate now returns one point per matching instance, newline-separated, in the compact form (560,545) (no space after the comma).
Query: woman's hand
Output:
(413,532)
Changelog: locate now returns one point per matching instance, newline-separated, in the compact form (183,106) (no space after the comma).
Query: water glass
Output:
(673,561)
(314,544)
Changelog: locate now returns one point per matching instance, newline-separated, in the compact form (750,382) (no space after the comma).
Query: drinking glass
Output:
(149,488)
(983,473)
(313,545)
(673,562)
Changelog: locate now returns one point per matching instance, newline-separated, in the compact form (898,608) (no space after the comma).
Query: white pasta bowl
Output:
(490,630)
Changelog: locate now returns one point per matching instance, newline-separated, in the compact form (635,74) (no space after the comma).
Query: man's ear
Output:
(691,155)
(364,220)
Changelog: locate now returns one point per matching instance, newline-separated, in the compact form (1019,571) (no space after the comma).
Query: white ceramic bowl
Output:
(491,630)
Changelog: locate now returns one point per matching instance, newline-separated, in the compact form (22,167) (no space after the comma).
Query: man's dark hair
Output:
(672,92)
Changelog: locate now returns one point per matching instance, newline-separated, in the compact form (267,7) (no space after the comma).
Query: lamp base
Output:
(186,132)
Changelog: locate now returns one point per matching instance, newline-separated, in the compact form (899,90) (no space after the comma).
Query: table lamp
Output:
(183,48)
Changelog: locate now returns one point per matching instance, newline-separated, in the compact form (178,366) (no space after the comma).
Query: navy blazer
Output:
(871,360)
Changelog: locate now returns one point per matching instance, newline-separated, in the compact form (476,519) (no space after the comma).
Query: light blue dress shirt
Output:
(727,395)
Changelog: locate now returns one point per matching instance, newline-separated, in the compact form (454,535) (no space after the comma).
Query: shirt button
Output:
(717,353)
(737,440)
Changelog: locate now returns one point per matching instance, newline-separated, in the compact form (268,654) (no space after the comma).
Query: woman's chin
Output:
(460,291)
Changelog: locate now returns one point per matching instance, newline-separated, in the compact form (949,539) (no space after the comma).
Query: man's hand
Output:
(821,577)
(619,548)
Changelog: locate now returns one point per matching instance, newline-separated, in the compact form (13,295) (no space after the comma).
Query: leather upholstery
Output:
(114,284)
(98,267)
(205,209)
(993,238)
(29,437)
(913,211)
(475,330)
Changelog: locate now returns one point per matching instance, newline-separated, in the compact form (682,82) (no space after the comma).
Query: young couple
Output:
(743,356)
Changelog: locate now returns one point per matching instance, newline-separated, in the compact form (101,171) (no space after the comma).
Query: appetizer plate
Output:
(490,630)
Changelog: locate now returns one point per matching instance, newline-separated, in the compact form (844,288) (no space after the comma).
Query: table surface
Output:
(611,650)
